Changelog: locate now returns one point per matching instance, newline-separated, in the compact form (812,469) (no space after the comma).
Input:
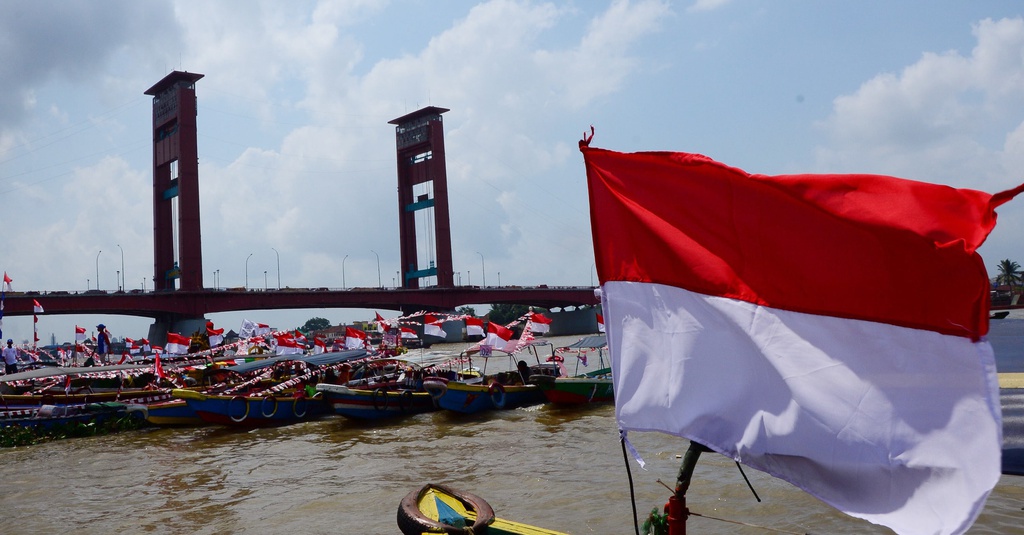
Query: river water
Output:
(560,468)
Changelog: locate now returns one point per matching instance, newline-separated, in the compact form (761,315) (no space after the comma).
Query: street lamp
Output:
(216,279)
(247,271)
(98,269)
(398,276)
(264,280)
(483,270)
(118,273)
(121,282)
(343,285)
(379,285)
(278,268)
(499,279)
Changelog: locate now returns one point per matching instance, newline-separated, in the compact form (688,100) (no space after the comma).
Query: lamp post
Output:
(143,284)
(499,279)
(398,277)
(216,279)
(247,271)
(264,280)
(483,270)
(343,285)
(118,273)
(121,283)
(98,269)
(379,285)
(278,268)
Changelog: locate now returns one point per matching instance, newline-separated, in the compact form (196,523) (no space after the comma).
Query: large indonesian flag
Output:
(826,329)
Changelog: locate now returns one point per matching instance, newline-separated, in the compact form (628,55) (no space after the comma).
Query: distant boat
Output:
(589,387)
(475,391)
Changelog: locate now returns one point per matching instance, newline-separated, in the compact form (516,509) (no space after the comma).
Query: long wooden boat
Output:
(48,416)
(437,508)
(173,412)
(267,399)
(377,403)
(260,410)
(48,386)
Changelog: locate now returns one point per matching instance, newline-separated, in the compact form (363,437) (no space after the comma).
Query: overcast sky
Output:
(296,153)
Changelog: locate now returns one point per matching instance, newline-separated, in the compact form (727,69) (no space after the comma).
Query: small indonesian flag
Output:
(318,345)
(541,323)
(497,336)
(36,307)
(286,345)
(382,324)
(177,344)
(216,336)
(408,333)
(354,338)
(79,334)
(600,323)
(158,368)
(432,326)
(474,327)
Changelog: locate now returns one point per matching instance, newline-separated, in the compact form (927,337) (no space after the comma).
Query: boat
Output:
(436,508)
(375,404)
(582,388)
(470,390)
(273,394)
(49,416)
(78,386)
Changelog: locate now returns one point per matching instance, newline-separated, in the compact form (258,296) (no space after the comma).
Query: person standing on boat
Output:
(102,343)
(10,357)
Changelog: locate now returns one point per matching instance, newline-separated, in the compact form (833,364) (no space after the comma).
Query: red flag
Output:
(805,289)
(600,323)
(7,282)
(158,368)
(382,324)
(79,334)
(67,378)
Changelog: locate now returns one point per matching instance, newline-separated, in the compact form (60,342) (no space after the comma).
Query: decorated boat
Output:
(49,416)
(470,391)
(274,393)
(593,386)
(438,508)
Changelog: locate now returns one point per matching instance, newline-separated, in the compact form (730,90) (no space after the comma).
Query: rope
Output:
(766,528)
(629,475)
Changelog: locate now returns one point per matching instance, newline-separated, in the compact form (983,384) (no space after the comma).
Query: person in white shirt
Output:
(10,357)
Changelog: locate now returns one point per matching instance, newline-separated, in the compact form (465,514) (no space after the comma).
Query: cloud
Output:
(942,118)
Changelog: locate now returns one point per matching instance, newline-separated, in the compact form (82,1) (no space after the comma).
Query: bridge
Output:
(170,305)
(180,299)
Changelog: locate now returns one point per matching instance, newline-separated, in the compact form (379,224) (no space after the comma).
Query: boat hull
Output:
(377,404)
(252,411)
(474,398)
(173,412)
(579,391)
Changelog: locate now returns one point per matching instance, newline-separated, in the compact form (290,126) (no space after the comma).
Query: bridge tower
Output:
(423,198)
(177,248)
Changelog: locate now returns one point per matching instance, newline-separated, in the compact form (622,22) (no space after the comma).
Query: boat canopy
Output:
(322,359)
(589,342)
(51,371)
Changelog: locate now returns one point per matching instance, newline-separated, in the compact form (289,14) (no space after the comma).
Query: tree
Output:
(1009,273)
(504,314)
(315,324)
(467,310)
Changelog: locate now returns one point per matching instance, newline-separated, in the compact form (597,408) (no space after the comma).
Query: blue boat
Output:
(474,392)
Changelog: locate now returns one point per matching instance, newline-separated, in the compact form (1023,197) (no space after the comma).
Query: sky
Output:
(297,159)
